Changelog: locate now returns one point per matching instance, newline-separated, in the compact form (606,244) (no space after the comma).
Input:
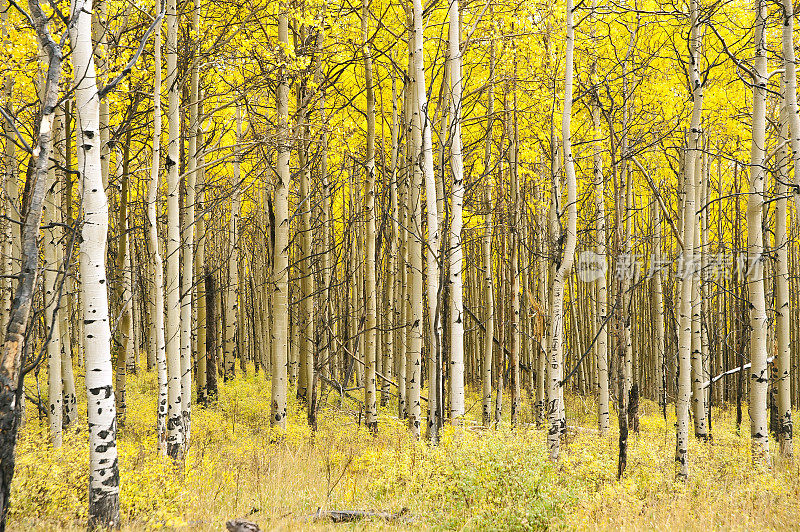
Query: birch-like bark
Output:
(64,160)
(424,158)
(175,433)
(759,372)
(52,266)
(188,236)
(11,392)
(658,311)
(415,307)
(157,309)
(103,470)
(514,269)
(280,266)
(790,89)
(557,310)
(123,291)
(199,265)
(698,392)
(782,300)
(685,271)
(601,345)
(456,314)
(370,288)
(232,286)
(10,186)
(488,288)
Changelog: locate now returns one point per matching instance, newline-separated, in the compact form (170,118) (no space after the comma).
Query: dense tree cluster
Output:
(396,202)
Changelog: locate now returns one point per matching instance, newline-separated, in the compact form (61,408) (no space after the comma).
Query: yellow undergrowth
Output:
(475,479)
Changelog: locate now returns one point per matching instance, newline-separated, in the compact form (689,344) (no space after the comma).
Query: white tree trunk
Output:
(557,311)
(456,313)
(488,288)
(51,297)
(188,237)
(759,372)
(685,281)
(172,287)
(103,470)
(370,352)
(280,266)
(782,299)
(157,308)
(424,158)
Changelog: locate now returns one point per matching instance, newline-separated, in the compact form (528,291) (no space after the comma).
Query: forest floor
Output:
(477,479)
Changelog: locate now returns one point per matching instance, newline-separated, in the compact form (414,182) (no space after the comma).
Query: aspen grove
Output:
(474,264)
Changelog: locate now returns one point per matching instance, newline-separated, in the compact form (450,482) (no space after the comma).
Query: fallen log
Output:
(241,525)
(349,516)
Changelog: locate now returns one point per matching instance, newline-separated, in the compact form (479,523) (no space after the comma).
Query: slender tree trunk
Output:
(199,266)
(424,158)
(556,312)
(759,372)
(232,325)
(658,311)
(280,267)
(211,335)
(11,370)
(601,345)
(685,281)
(188,236)
(456,252)
(175,432)
(52,299)
(123,290)
(155,250)
(782,301)
(370,287)
(415,334)
(488,289)
(104,474)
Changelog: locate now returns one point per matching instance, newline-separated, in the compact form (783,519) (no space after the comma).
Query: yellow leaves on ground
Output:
(478,479)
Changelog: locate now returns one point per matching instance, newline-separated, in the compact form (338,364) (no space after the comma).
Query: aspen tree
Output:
(63,256)
(396,284)
(232,325)
(415,307)
(698,393)
(10,186)
(103,469)
(11,355)
(306,321)
(759,372)
(790,87)
(55,386)
(199,264)
(456,252)
(280,266)
(175,432)
(157,309)
(514,326)
(123,290)
(601,345)
(565,265)
(188,236)
(685,281)
(658,310)
(782,301)
(488,289)
(424,158)
(370,288)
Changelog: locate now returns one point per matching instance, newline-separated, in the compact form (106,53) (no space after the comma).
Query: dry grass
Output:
(475,479)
